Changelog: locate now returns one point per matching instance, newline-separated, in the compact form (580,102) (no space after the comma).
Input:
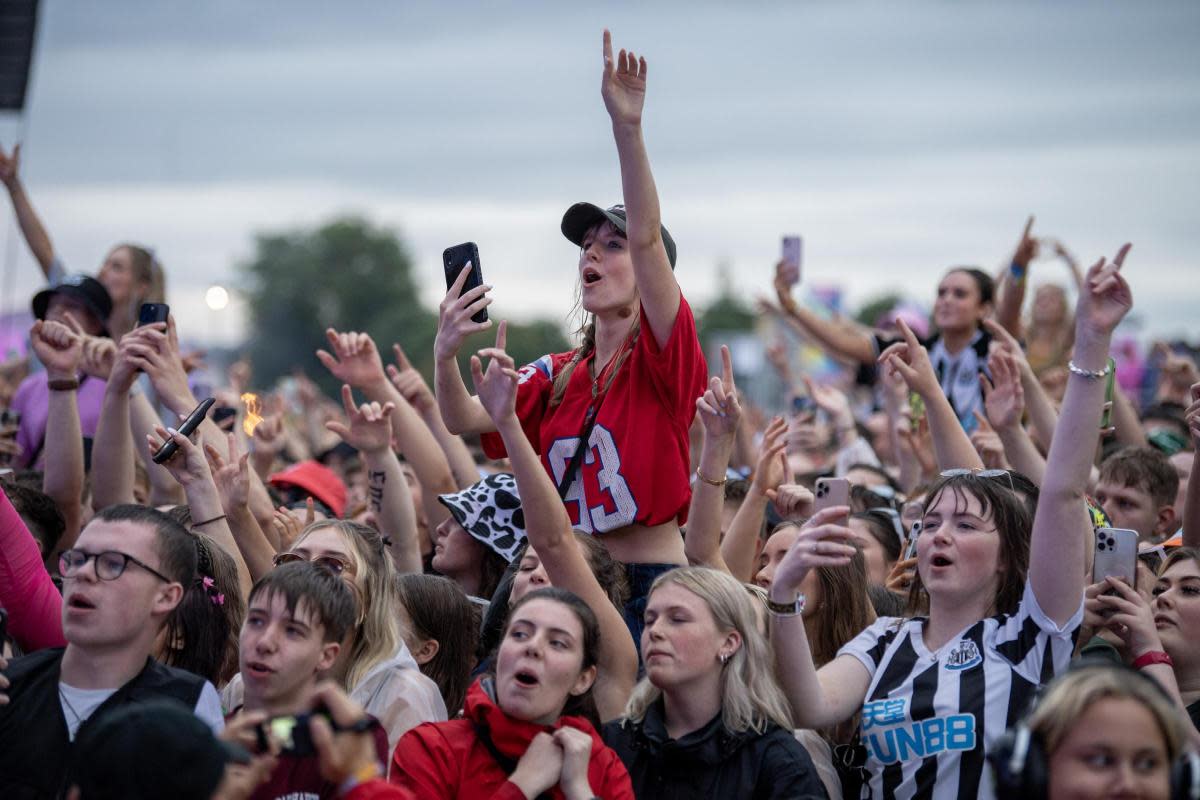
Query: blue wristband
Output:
(1017,270)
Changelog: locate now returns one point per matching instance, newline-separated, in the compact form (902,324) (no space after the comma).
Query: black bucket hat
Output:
(81,288)
(581,217)
(491,512)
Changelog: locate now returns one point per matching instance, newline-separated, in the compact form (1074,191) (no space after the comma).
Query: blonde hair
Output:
(1070,696)
(750,696)
(148,276)
(377,634)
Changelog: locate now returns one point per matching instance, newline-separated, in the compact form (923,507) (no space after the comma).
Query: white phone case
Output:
(1116,554)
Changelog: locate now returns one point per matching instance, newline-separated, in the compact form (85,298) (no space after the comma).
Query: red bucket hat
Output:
(316,479)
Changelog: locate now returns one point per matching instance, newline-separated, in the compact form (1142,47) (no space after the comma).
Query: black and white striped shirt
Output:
(929,717)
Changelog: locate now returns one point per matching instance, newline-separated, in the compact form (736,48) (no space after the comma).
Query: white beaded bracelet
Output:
(1092,374)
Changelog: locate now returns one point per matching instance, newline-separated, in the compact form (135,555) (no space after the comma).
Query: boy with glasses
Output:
(297,617)
(122,580)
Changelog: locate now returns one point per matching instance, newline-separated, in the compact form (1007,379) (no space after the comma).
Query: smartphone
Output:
(831,492)
(793,248)
(292,734)
(803,404)
(1109,389)
(1116,555)
(910,551)
(187,429)
(454,259)
(153,312)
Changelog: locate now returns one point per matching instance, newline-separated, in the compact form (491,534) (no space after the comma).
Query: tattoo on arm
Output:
(375,482)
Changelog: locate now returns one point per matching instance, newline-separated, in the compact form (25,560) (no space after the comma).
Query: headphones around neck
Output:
(1021,765)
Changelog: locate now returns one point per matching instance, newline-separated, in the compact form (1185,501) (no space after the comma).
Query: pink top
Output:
(33,603)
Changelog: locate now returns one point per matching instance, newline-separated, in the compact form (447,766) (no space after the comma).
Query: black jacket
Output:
(712,763)
(35,751)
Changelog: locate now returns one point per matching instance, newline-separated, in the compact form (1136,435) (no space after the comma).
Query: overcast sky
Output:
(898,138)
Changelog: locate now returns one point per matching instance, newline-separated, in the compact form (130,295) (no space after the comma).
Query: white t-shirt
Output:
(79,704)
(929,717)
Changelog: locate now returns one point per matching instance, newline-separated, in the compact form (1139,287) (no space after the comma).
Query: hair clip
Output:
(210,588)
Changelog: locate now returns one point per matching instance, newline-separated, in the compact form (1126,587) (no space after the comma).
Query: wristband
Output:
(1152,657)
(710,482)
(1017,270)
(214,519)
(786,609)
(1090,374)
(63,384)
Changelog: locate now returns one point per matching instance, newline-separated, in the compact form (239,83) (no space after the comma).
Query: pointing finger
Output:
(401,359)
(727,369)
(1124,251)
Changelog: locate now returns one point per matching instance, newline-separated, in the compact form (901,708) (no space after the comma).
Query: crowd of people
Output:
(968,566)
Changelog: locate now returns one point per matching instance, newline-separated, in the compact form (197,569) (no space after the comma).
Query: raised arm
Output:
(370,432)
(26,591)
(164,365)
(842,341)
(1012,287)
(461,412)
(190,467)
(720,414)
(1043,416)
(623,88)
(411,386)
(113,446)
(232,478)
(825,697)
(549,530)
(356,361)
(1004,401)
(1056,551)
(910,360)
(1191,502)
(739,548)
(60,350)
(28,220)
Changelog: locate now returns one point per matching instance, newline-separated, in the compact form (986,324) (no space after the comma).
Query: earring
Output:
(724,658)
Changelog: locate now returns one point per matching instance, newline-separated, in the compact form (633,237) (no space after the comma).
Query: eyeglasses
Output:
(110,564)
(981,473)
(338,566)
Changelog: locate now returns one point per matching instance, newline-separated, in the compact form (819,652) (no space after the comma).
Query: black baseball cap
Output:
(153,749)
(82,288)
(581,217)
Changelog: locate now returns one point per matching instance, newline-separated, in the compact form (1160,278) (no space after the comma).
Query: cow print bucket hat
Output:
(491,512)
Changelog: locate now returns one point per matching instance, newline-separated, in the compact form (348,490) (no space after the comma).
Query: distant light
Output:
(216,297)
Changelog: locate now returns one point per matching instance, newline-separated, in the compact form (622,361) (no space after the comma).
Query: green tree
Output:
(349,275)
(727,312)
(873,309)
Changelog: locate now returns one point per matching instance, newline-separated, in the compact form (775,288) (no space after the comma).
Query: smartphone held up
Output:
(454,260)
(792,256)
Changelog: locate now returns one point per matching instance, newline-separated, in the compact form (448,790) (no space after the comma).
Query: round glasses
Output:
(338,566)
(110,564)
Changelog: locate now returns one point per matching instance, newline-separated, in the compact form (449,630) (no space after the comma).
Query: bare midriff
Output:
(645,544)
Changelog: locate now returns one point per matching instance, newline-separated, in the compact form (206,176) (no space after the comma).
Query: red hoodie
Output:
(449,760)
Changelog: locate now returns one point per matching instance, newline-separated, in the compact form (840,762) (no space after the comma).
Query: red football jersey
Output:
(637,464)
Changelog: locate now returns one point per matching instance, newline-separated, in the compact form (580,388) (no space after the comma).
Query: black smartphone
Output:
(292,734)
(454,259)
(187,428)
(153,312)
